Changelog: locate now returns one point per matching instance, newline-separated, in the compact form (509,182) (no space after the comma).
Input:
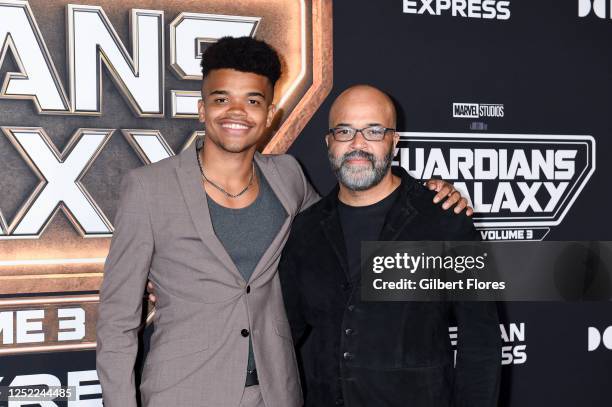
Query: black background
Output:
(553,72)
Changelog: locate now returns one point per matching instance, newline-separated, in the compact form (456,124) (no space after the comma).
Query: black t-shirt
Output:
(362,223)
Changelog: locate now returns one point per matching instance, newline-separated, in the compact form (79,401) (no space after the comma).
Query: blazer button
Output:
(248,290)
(244,332)
(348,356)
(348,331)
(345,286)
(351,308)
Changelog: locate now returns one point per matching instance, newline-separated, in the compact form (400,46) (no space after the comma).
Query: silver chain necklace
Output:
(220,188)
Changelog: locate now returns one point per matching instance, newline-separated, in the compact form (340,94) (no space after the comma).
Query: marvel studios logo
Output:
(477,110)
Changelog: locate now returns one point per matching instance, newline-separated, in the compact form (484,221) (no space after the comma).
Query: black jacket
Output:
(379,354)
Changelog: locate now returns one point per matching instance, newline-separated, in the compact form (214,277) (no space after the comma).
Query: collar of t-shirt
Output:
(362,223)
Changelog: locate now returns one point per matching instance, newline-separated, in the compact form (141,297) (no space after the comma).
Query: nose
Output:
(236,108)
(358,142)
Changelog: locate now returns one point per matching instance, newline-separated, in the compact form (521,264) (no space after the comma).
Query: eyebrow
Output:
(348,125)
(218,92)
(225,93)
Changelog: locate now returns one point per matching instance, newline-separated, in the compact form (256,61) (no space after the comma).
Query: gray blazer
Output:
(198,356)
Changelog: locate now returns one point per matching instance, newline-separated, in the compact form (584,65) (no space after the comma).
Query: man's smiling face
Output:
(236,108)
(360,164)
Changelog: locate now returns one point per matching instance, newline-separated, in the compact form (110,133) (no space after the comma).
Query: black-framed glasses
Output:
(372,133)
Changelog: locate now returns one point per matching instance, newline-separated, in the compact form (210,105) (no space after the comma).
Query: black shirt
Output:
(362,224)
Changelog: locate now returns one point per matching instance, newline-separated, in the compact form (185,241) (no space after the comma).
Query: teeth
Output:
(234,126)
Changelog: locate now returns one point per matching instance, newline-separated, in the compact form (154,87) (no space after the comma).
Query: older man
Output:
(364,354)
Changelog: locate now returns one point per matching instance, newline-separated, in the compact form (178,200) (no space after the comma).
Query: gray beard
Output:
(360,178)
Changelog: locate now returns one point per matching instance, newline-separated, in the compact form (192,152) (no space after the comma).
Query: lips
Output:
(357,161)
(358,157)
(235,126)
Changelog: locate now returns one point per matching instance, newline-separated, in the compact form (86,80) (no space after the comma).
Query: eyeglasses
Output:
(373,133)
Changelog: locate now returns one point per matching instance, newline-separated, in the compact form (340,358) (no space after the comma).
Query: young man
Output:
(391,354)
(207,228)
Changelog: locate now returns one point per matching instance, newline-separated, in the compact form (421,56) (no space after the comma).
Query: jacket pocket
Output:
(177,347)
(283,329)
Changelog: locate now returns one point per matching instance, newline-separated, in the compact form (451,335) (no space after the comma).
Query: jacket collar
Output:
(402,211)
(190,181)
(189,178)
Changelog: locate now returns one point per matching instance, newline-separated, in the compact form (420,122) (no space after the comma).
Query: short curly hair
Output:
(244,54)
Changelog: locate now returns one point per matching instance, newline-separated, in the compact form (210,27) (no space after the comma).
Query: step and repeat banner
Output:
(509,100)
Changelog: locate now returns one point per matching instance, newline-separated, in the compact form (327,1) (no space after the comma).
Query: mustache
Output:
(358,154)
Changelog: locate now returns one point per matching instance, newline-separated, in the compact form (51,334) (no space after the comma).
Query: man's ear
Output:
(201,111)
(327,140)
(396,138)
(271,112)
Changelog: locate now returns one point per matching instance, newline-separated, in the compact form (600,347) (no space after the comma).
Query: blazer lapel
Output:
(402,212)
(189,178)
(332,230)
(270,172)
